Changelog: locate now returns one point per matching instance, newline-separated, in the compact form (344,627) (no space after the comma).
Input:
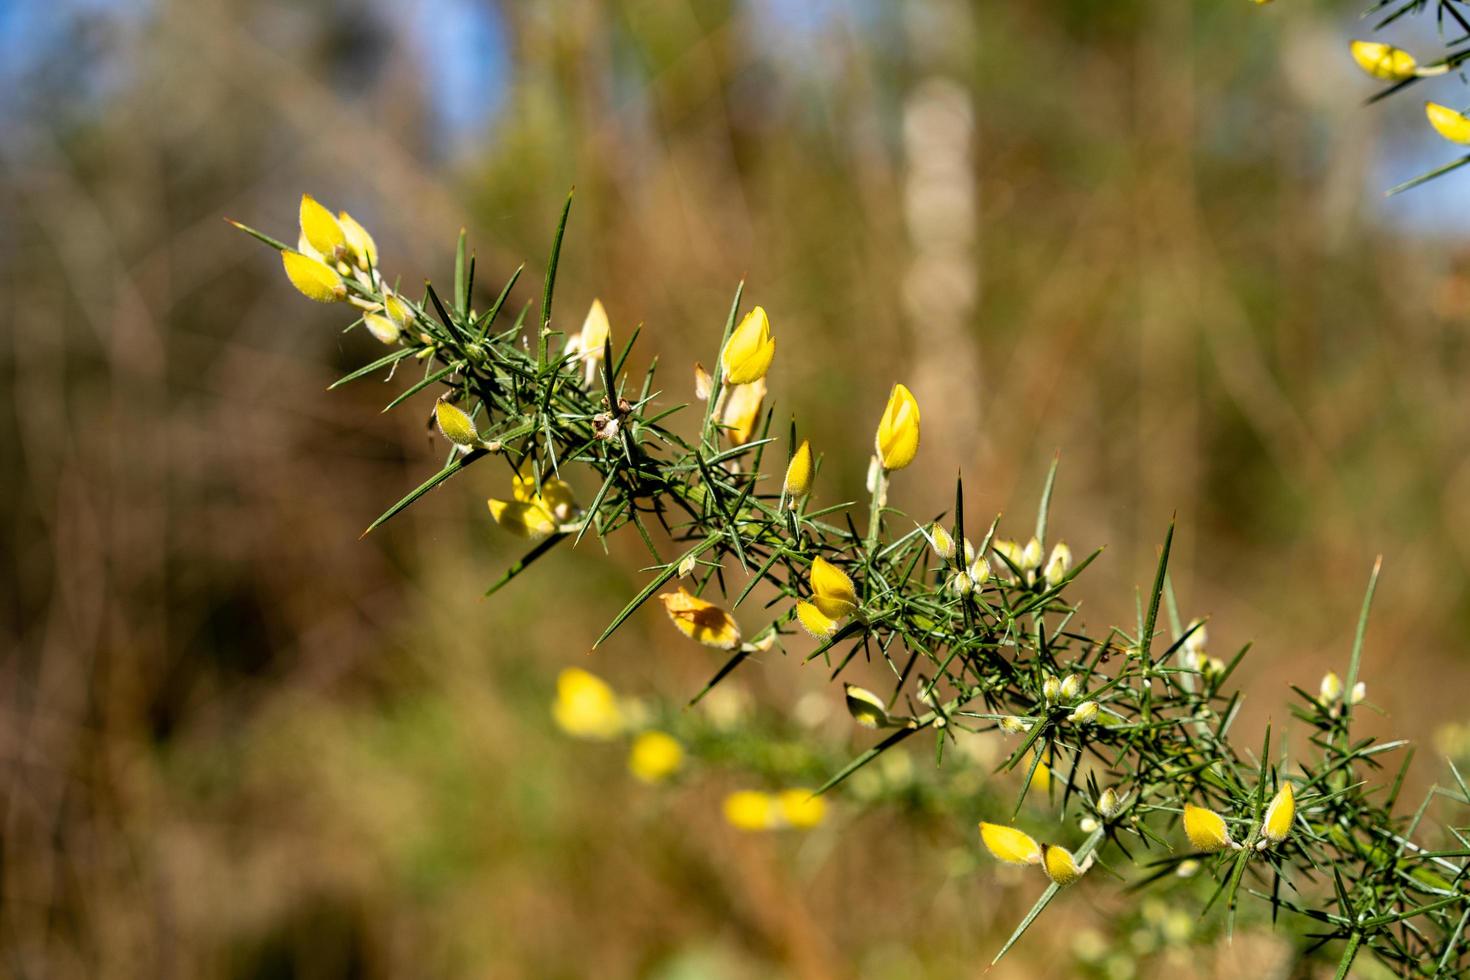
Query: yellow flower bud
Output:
(833,591)
(1206,829)
(960,583)
(1061,867)
(1084,714)
(1051,689)
(798,481)
(1358,693)
(702,621)
(741,410)
(313,279)
(1383,61)
(748,809)
(655,756)
(1009,844)
(1330,689)
(322,231)
(1194,643)
(1453,126)
(702,382)
(398,311)
(1058,564)
(1279,816)
(456,425)
(1108,803)
(897,440)
(359,242)
(1071,687)
(979,571)
(816,622)
(526,520)
(866,708)
(381,327)
(1012,725)
(800,809)
(585,706)
(751,348)
(1031,556)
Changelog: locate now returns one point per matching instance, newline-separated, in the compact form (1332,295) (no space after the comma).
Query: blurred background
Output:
(239,742)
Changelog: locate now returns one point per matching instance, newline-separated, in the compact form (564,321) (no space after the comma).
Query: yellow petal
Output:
(798,482)
(1009,844)
(748,809)
(585,706)
(898,431)
(1205,829)
(814,621)
(359,242)
(741,411)
(321,229)
(748,355)
(399,311)
(865,707)
(313,279)
(700,620)
(1453,126)
(830,582)
(595,331)
(528,520)
(1061,867)
(1279,815)
(556,496)
(382,327)
(800,808)
(1383,60)
(456,424)
(655,756)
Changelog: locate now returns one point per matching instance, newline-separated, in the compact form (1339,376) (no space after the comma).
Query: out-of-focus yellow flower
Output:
(740,410)
(364,250)
(590,344)
(798,482)
(1453,126)
(1279,816)
(748,355)
(556,496)
(1358,693)
(1009,844)
(585,705)
(1330,689)
(456,425)
(866,708)
(1040,776)
(1205,829)
(655,756)
(535,515)
(897,440)
(749,809)
(382,327)
(1061,867)
(313,279)
(1384,61)
(700,620)
(832,590)
(800,809)
(526,520)
(322,231)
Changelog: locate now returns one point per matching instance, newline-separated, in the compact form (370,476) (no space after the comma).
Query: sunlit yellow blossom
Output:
(800,809)
(1009,844)
(798,482)
(556,497)
(702,621)
(815,622)
(519,517)
(897,440)
(1453,126)
(322,231)
(585,705)
(1279,816)
(1384,61)
(866,708)
(832,590)
(1205,829)
(655,756)
(382,327)
(749,809)
(364,250)
(748,355)
(312,278)
(456,425)
(1061,867)
(740,410)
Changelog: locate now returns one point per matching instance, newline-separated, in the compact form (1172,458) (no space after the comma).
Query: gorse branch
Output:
(1129,729)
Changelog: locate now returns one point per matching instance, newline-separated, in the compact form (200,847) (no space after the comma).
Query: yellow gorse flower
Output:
(1453,126)
(1279,816)
(833,591)
(798,482)
(1061,867)
(866,708)
(555,496)
(322,231)
(382,327)
(740,410)
(1384,61)
(522,518)
(589,345)
(1206,829)
(702,621)
(814,621)
(655,756)
(897,440)
(313,278)
(1009,844)
(534,515)
(751,348)
(364,250)
(749,809)
(585,705)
